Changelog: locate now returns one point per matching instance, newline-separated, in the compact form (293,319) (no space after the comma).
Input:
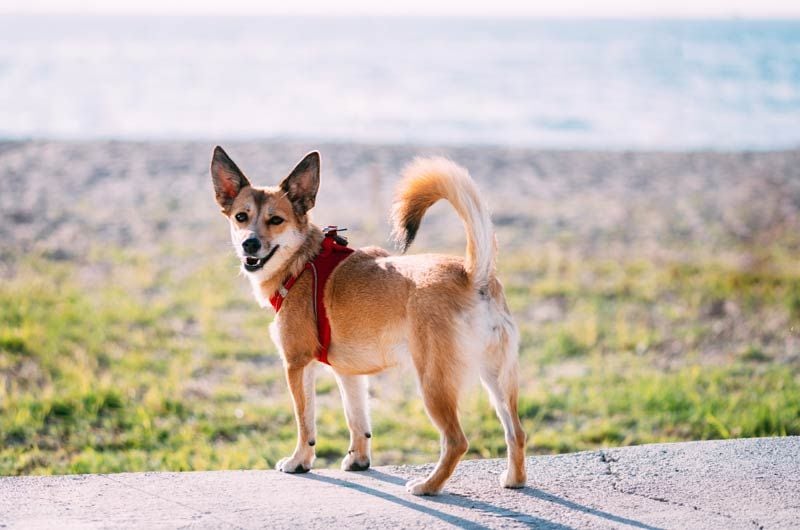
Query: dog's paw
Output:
(290,464)
(512,480)
(352,462)
(420,486)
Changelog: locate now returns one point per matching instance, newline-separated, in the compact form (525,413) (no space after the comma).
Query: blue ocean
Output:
(599,84)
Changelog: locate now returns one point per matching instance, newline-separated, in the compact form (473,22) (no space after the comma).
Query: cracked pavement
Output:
(730,484)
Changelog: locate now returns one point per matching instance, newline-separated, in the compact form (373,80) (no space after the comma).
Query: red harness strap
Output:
(334,251)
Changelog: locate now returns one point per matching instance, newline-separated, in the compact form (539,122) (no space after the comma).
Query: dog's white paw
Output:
(352,462)
(420,486)
(293,464)
(511,480)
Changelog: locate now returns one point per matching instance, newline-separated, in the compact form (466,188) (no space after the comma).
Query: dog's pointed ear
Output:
(302,183)
(227,177)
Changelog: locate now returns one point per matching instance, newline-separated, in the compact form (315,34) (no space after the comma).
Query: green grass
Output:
(153,367)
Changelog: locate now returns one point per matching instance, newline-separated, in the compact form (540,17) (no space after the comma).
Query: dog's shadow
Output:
(472,504)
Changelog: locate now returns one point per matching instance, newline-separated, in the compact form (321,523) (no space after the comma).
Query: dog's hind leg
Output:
(440,381)
(301,384)
(442,407)
(498,369)
(354,397)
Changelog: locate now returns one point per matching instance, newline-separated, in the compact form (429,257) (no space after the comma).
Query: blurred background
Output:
(642,161)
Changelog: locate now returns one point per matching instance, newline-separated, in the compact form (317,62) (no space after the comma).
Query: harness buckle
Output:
(332,232)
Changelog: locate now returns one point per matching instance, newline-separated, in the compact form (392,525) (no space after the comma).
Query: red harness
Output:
(334,251)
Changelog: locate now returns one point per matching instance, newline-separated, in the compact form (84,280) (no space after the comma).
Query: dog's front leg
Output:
(301,386)
(355,396)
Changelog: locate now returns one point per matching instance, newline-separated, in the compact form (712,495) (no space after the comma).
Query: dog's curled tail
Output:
(425,181)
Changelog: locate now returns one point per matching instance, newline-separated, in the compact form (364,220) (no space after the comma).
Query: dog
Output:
(447,313)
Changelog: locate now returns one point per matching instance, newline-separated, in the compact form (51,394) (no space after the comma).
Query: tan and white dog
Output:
(447,313)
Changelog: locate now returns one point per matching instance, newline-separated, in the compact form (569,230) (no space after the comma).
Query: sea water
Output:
(620,84)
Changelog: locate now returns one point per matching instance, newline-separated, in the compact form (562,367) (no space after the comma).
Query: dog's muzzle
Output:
(252,263)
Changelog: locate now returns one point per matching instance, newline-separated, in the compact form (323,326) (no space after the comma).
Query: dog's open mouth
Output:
(252,264)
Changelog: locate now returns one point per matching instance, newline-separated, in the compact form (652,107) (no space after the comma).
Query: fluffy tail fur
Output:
(425,181)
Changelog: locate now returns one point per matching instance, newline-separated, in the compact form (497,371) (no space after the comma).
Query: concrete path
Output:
(726,484)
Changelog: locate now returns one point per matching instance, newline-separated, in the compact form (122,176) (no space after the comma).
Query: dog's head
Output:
(268,225)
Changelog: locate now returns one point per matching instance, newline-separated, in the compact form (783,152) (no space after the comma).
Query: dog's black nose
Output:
(252,245)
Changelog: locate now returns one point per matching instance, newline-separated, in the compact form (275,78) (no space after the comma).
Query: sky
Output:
(560,8)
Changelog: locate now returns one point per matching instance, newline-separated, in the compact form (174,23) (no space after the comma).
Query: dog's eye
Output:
(275,220)
(241,217)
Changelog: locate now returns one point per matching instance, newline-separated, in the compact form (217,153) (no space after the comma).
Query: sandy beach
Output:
(62,198)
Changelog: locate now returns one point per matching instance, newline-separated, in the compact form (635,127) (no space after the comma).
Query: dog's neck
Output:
(312,245)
